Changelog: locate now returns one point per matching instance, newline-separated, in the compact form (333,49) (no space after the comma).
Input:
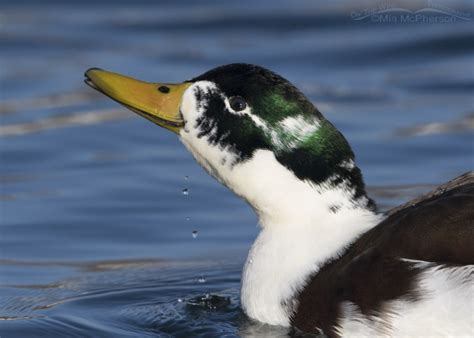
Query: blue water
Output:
(95,238)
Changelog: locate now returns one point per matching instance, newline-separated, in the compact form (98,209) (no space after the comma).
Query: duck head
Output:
(254,132)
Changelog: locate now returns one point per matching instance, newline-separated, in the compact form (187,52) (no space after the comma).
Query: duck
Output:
(325,260)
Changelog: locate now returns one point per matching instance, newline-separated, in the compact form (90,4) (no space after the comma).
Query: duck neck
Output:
(304,225)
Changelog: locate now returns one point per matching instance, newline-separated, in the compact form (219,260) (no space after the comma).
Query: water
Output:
(95,232)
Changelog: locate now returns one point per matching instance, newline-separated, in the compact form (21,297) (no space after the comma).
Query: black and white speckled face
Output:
(223,122)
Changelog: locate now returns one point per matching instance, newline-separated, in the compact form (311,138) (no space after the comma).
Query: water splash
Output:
(209,302)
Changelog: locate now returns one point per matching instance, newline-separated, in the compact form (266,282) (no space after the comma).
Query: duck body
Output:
(324,261)
(411,275)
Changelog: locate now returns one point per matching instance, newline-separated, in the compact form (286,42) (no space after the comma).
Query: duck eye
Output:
(237,103)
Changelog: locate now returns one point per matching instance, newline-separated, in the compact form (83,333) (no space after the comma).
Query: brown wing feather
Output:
(436,227)
(464,179)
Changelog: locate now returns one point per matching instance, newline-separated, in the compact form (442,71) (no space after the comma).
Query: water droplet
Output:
(180,300)
(188,219)
(185,191)
(202,279)
(250,261)
(186,177)
(195,233)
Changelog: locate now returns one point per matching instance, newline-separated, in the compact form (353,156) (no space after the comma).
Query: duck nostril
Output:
(164,89)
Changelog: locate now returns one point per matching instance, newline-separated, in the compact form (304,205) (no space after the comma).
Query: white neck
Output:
(299,233)
(283,257)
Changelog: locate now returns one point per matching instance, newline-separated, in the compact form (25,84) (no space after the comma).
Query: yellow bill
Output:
(157,102)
